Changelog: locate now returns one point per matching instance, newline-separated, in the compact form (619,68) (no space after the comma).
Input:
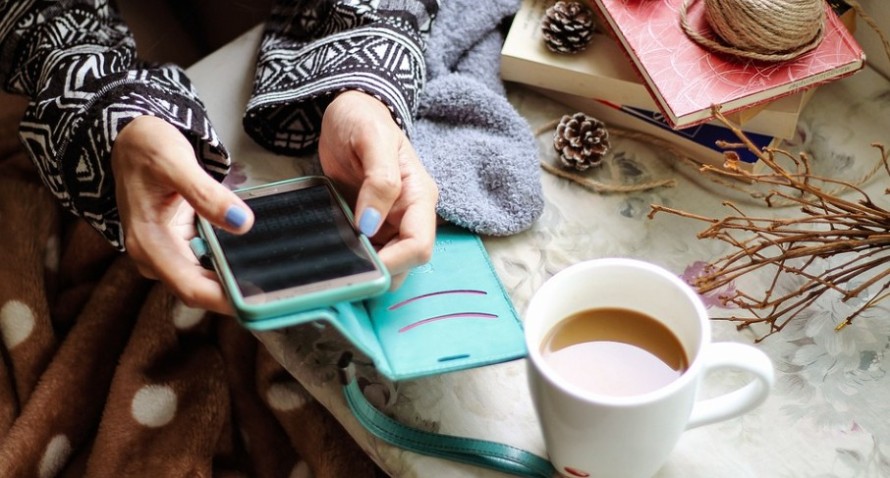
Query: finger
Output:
(396,280)
(402,254)
(210,199)
(146,272)
(195,286)
(381,186)
(413,246)
(170,260)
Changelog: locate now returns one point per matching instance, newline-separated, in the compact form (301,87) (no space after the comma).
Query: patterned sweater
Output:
(76,61)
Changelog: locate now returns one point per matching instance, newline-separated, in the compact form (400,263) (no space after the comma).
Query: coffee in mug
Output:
(614,351)
(610,410)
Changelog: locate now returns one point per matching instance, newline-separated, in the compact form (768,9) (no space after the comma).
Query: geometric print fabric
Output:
(308,55)
(76,62)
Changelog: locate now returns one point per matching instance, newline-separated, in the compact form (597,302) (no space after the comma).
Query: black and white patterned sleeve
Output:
(76,61)
(311,50)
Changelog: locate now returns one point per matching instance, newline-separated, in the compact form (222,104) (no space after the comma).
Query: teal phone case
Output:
(450,314)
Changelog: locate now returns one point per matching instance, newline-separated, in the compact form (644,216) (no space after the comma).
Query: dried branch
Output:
(839,243)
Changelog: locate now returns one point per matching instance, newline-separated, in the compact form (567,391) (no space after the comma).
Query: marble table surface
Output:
(827,415)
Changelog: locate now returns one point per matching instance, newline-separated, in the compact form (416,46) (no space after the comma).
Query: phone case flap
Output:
(450,314)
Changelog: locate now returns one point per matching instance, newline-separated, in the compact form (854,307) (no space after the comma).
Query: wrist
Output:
(356,97)
(146,137)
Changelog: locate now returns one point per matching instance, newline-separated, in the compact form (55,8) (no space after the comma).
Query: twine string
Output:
(765,30)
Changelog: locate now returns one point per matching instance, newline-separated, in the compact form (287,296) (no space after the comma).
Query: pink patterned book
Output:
(686,80)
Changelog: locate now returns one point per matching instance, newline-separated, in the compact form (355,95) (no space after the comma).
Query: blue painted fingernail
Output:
(369,221)
(236,216)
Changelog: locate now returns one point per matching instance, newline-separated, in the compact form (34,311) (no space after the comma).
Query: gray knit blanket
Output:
(480,151)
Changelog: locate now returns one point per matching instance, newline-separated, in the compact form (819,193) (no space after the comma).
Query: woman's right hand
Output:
(159,186)
(373,163)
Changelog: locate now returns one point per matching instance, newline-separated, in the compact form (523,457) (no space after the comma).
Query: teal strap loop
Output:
(488,454)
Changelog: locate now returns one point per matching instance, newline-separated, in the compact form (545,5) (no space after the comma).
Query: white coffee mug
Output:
(597,435)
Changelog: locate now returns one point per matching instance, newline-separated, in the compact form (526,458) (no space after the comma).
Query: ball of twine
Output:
(767,30)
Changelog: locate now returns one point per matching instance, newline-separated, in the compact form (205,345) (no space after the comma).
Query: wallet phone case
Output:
(450,314)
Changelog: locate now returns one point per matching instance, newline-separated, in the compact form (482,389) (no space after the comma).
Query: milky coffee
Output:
(614,351)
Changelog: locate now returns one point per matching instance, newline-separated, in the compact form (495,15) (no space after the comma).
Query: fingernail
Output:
(369,221)
(236,216)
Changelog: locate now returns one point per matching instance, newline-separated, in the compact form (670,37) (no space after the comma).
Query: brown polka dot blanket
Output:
(104,374)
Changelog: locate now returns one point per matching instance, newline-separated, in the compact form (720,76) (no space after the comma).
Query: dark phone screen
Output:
(299,237)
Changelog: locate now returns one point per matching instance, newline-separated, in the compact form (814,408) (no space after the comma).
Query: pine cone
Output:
(581,141)
(567,27)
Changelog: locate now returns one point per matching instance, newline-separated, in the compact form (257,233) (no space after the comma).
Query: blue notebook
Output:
(450,314)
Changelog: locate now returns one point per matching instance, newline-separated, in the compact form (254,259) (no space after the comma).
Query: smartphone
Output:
(302,252)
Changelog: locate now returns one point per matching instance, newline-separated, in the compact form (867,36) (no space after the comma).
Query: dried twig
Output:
(854,233)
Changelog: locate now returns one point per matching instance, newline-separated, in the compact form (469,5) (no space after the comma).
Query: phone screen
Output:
(301,241)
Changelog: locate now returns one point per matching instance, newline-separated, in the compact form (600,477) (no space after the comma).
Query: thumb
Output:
(380,188)
(211,200)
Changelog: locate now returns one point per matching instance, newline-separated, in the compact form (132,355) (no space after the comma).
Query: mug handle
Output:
(732,404)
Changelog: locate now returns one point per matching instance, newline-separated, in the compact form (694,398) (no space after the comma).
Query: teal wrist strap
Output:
(488,454)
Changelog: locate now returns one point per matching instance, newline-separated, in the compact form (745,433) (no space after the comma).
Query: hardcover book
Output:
(698,142)
(603,71)
(686,80)
(600,71)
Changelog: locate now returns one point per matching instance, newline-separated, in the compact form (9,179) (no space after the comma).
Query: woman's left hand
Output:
(375,167)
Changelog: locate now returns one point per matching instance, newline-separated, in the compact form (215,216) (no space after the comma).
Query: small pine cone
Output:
(567,27)
(582,141)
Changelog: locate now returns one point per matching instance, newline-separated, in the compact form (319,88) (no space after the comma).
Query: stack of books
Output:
(641,72)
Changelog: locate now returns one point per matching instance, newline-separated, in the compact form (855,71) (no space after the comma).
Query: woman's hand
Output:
(374,165)
(159,186)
